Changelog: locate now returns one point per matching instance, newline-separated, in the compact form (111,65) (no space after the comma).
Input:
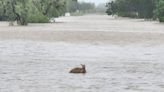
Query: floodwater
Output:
(43,66)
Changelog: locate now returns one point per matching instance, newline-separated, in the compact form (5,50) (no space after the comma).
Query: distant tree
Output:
(24,11)
(111,8)
(15,10)
(159,12)
(74,5)
(146,8)
(37,11)
(84,7)
(50,8)
(132,8)
(2,11)
(71,6)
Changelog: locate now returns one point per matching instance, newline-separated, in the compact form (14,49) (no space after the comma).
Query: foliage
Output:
(111,8)
(71,6)
(14,10)
(2,11)
(132,8)
(159,12)
(50,8)
(161,19)
(38,18)
(24,11)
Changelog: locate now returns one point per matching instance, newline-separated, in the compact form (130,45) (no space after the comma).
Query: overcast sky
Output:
(95,1)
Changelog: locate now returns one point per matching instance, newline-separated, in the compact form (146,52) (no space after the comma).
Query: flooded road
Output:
(27,66)
(119,61)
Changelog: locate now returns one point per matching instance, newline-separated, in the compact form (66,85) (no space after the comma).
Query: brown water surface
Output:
(121,55)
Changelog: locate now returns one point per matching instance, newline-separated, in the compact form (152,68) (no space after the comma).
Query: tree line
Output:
(148,9)
(25,11)
(37,11)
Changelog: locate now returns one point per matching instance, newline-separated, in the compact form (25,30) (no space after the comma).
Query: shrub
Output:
(38,18)
(128,14)
(161,19)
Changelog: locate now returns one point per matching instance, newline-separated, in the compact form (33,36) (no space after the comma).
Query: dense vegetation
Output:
(159,11)
(33,11)
(24,11)
(38,11)
(148,9)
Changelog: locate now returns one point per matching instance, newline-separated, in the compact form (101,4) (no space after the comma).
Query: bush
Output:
(128,14)
(3,18)
(38,18)
(161,19)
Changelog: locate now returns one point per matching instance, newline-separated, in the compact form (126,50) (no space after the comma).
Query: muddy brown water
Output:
(32,64)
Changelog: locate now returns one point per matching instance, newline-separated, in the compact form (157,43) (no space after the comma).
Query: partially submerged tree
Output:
(3,16)
(50,8)
(159,12)
(16,10)
(36,11)
(24,11)
(132,8)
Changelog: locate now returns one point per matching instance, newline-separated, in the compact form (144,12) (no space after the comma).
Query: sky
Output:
(95,1)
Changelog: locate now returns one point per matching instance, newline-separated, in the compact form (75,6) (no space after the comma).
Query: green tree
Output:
(111,8)
(15,10)
(159,12)
(50,8)
(71,6)
(132,8)
(24,11)
(2,11)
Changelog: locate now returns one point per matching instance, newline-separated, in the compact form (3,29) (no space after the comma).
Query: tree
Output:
(159,12)
(2,11)
(50,8)
(71,6)
(146,8)
(111,8)
(15,10)
(24,11)
(132,8)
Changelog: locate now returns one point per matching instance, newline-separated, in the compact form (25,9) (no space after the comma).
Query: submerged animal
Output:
(79,69)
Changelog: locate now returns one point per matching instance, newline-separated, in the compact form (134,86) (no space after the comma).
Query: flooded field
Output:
(121,55)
